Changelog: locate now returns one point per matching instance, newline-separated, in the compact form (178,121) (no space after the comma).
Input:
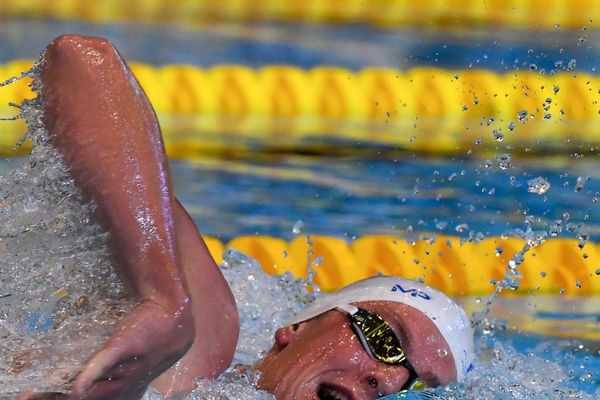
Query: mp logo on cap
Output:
(413,292)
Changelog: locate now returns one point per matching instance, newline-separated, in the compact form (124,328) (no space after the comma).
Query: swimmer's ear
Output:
(284,336)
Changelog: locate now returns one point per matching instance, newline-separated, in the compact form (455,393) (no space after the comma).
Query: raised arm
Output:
(100,120)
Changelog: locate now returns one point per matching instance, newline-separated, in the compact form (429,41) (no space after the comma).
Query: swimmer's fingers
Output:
(108,376)
(148,341)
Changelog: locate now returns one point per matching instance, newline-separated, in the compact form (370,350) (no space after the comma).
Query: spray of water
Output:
(60,297)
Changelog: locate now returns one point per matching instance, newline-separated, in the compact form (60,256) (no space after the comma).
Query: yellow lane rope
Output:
(557,266)
(519,14)
(422,109)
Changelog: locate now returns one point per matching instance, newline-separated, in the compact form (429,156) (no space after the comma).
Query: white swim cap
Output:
(448,317)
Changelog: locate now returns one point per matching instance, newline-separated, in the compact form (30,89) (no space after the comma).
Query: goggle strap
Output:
(350,309)
(412,377)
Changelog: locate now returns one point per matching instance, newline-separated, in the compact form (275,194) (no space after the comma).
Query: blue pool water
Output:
(406,196)
(353,46)
(348,197)
(397,193)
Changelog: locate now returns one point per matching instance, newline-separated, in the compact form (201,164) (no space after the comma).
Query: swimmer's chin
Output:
(318,389)
(312,388)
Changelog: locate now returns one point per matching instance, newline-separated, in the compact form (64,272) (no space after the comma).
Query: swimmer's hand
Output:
(149,340)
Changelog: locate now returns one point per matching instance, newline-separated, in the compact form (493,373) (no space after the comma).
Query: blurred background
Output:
(455,142)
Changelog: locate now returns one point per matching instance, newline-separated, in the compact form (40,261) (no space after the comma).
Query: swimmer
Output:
(376,337)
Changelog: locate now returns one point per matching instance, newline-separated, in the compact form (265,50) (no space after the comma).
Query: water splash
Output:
(60,297)
(502,373)
(265,303)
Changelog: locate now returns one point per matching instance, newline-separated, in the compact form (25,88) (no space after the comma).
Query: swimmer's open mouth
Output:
(331,392)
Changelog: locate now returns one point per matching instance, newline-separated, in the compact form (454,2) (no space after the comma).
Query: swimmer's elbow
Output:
(70,53)
(70,43)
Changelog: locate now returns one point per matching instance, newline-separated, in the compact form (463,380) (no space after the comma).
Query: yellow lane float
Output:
(515,14)
(422,109)
(557,266)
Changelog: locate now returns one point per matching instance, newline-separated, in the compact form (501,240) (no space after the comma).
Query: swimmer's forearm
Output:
(101,121)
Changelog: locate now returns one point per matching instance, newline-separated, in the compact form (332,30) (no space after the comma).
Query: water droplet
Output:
(504,161)
(578,284)
(556,228)
(442,353)
(556,89)
(572,64)
(543,274)
(522,116)
(538,185)
(461,228)
(498,135)
(298,227)
(511,126)
(499,251)
(441,225)
(580,183)
(318,261)
(465,108)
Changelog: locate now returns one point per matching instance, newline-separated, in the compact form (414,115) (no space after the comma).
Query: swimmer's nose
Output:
(387,379)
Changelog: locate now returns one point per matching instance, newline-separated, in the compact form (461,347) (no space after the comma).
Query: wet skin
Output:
(100,120)
(324,352)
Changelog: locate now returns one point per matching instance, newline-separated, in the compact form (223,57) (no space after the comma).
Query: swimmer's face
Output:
(322,358)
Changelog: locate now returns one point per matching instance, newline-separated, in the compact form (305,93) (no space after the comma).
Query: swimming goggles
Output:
(380,342)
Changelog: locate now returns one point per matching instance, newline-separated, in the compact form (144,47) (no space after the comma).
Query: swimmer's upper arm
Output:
(213,307)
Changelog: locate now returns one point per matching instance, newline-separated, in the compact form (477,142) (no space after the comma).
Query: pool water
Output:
(403,195)
(400,194)
(472,195)
(408,196)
